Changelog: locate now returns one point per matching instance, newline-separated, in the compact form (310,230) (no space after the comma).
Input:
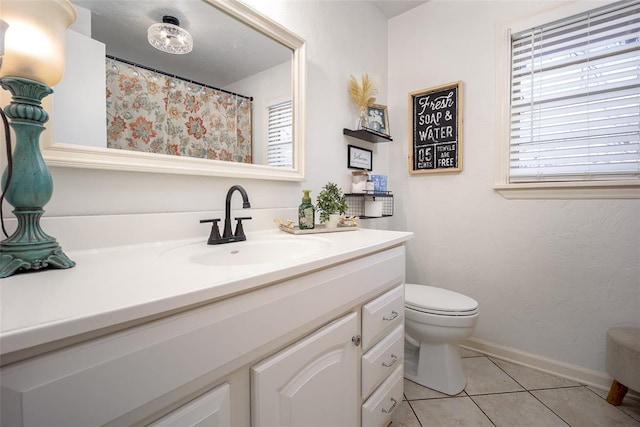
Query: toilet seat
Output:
(438,301)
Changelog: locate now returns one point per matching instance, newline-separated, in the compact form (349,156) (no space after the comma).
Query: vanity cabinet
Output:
(315,381)
(293,337)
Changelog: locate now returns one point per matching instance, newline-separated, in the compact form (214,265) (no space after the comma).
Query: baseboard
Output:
(575,373)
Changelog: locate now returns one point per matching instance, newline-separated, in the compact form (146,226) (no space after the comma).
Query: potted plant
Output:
(331,204)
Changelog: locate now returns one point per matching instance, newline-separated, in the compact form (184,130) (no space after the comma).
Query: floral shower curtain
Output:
(155,113)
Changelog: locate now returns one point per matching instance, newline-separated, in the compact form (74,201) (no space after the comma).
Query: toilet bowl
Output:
(436,321)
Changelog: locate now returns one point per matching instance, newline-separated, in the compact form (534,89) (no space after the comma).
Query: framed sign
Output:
(378,119)
(359,158)
(435,138)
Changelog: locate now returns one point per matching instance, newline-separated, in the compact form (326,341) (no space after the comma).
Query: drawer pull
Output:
(390,410)
(393,361)
(394,314)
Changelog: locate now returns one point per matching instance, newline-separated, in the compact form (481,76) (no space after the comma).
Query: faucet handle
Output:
(214,236)
(214,220)
(239,234)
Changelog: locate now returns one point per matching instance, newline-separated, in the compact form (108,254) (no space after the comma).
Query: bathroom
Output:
(551,275)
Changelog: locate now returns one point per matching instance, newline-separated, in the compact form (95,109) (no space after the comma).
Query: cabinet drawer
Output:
(381,315)
(377,410)
(211,409)
(381,360)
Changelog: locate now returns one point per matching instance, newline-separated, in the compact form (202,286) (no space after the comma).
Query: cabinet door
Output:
(314,382)
(213,409)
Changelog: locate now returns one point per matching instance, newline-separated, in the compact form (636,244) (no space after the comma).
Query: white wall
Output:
(343,38)
(84,80)
(550,275)
(269,87)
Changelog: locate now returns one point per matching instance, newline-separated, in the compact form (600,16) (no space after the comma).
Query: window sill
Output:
(570,190)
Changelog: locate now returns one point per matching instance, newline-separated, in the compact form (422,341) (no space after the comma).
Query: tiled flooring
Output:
(500,393)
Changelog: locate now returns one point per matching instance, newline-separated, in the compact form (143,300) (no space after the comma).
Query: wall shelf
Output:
(356,203)
(367,135)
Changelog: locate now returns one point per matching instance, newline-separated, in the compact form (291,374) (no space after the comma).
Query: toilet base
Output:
(437,366)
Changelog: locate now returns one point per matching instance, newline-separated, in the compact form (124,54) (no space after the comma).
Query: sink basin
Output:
(249,252)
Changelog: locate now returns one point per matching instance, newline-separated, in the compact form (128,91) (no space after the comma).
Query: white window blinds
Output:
(279,140)
(575,98)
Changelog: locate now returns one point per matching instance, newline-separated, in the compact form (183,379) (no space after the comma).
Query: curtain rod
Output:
(250,98)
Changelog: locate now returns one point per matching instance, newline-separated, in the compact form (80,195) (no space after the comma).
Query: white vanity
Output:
(174,333)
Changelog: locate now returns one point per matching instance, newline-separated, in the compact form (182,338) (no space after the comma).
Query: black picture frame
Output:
(378,119)
(359,158)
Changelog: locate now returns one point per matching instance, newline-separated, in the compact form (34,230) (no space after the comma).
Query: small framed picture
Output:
(359,158)
(378,119)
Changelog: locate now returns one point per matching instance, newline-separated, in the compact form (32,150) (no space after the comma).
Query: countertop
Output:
(117,285)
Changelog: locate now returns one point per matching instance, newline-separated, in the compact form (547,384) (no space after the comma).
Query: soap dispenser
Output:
(306,212)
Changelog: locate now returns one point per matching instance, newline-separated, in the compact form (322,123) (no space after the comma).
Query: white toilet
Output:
(436,321)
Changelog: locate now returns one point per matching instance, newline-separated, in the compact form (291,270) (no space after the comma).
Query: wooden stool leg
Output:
(616,393)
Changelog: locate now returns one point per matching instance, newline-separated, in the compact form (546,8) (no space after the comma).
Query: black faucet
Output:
(239,234)
(227,235)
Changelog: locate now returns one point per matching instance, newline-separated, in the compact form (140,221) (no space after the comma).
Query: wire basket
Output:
(357,203)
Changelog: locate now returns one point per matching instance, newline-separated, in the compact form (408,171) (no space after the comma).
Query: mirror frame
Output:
(78,156)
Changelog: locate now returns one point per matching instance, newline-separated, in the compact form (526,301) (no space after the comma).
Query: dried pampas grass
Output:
(362,92)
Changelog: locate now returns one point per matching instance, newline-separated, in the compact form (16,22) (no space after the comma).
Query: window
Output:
(574,99)
(279,135)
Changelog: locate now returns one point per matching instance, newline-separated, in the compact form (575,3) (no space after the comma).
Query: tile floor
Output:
(500,393)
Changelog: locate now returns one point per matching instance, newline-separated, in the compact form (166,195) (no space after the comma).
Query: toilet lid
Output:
(429,299)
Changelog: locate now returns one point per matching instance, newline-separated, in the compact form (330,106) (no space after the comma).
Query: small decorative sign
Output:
(435,140)
(359,158)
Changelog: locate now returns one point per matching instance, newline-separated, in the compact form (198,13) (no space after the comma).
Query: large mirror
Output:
(238,58)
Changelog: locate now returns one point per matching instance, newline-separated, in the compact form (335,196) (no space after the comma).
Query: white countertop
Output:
(121,284)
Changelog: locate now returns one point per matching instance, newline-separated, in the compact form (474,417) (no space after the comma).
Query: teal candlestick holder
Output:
(31,186)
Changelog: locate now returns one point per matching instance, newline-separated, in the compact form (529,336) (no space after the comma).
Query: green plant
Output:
(330,200)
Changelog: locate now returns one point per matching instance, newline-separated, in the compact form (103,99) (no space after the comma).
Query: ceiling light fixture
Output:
(169,37)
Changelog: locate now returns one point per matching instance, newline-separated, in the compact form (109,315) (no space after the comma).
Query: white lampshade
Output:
(34,41)
(3,29)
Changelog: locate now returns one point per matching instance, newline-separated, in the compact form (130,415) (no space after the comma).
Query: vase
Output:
(363,119)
